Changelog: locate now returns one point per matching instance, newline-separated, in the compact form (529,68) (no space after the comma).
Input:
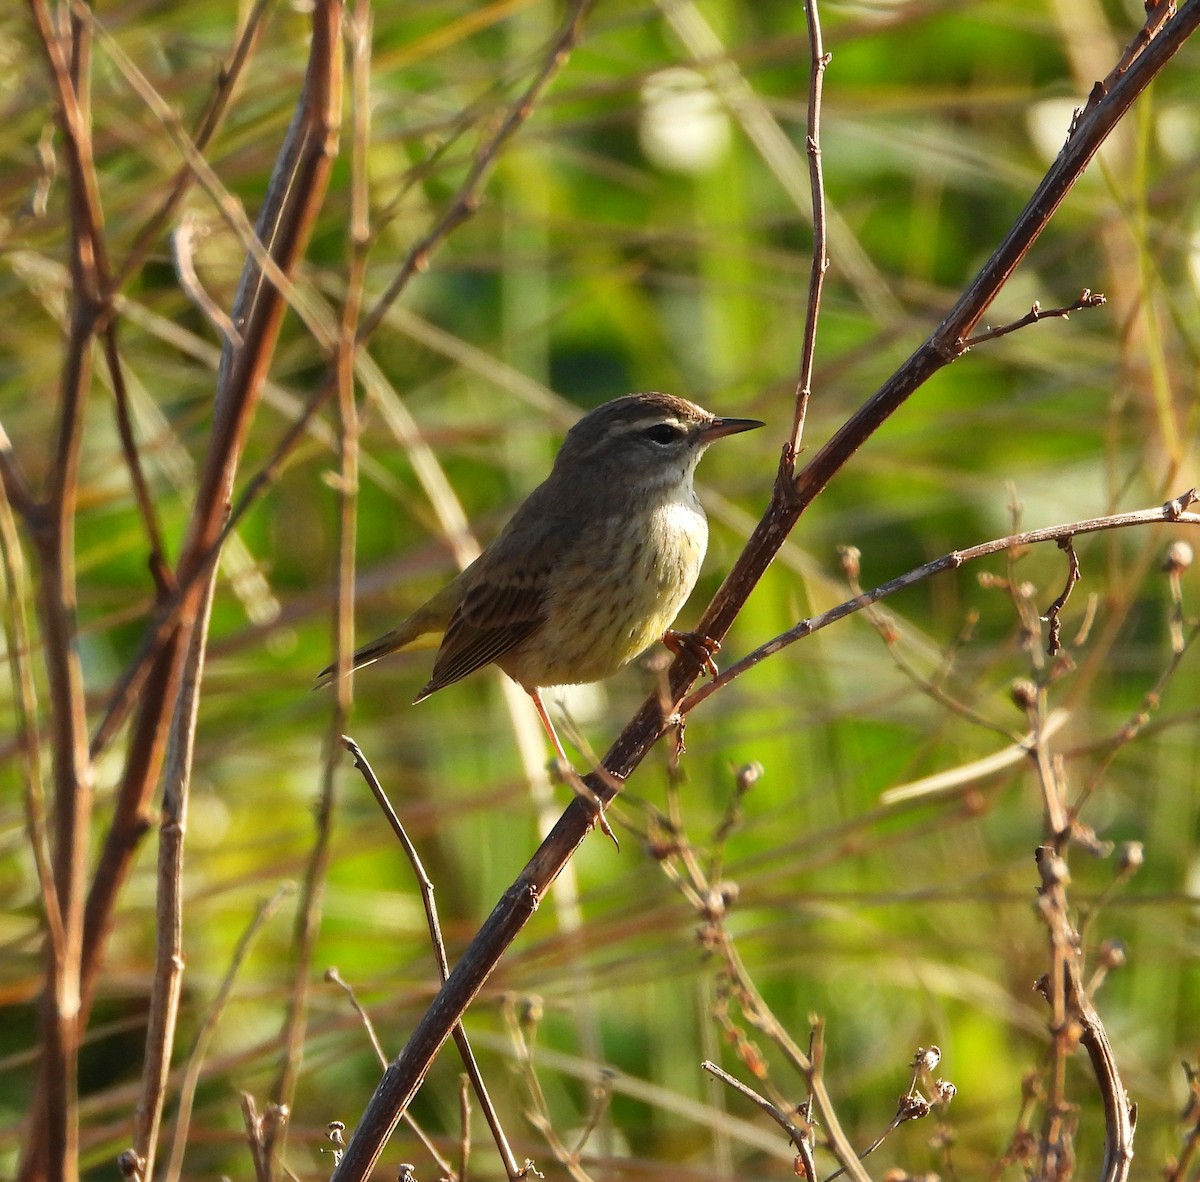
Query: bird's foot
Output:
(604,826)
(702,647)
(569,776)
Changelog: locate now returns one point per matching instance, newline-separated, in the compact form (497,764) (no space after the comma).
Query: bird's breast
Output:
(619,585)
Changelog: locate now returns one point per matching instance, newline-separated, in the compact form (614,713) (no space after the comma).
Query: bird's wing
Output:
(499,610)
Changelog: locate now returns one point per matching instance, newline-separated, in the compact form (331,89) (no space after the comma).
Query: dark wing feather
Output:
(510,583)
(495,615)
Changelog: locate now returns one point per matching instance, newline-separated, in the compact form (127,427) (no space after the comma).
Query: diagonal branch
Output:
(793,492)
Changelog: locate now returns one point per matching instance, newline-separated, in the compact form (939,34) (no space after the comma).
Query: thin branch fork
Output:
(1062,535)
(1086,300)
(1075,1018)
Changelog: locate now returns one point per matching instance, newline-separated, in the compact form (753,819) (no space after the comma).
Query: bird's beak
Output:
(719,427)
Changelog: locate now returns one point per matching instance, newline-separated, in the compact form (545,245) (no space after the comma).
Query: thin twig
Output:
(425,883)
(335,978)
(818,60)
(797,1136)
(889,633)
(951,561)
(538,1115)
(1086,300)
(309,908)
(142,497)
(297,187)
(183,252)
(130,687)
(208,1026)
(53,1144)
(296,294)
(1075,1020)
(16,636)
(1054,611)
(225,87)
(466,200)
(167,983)
(1132,727)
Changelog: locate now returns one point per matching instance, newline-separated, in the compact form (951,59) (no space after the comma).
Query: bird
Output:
(593,566)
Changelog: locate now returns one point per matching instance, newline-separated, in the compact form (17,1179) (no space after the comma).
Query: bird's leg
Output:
(540,707)
(703,648)
(567,772)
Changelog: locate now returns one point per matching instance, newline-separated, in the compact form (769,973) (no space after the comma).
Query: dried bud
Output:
(531,1010)
(1053,869)
(1131,857)
(927,1058)
(945,1090)
(1178,558)
(1112,954)
(718,898)
(130,1163)
(912,1106)
(748,775)
(851,567)
(1024,693)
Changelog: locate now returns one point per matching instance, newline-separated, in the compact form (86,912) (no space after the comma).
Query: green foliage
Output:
(592,268)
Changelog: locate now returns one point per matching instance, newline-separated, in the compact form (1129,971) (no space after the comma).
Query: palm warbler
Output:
(594,565)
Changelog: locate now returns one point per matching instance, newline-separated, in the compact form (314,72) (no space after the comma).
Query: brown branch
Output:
(132,685)
(791,496)
(52,1148)
(294,196)
(71,974)
(947,562)
(1036,313)
(425,883)
(316,871)
(1076,1021)
(818,60)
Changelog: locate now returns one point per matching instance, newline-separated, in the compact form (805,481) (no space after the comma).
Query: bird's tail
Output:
(432,616)
(389,642)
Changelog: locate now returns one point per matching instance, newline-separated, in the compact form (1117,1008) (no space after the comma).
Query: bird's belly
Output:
(615,600)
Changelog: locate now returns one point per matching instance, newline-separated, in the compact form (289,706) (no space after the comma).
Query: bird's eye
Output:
(664,433)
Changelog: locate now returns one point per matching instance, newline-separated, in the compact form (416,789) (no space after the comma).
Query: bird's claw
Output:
(702,647)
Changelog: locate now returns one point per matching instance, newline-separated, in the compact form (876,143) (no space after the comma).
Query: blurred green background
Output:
(648,229)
